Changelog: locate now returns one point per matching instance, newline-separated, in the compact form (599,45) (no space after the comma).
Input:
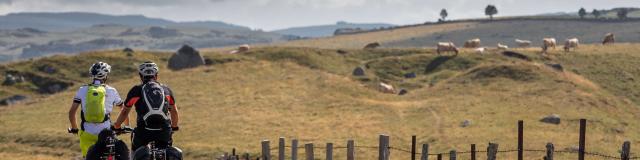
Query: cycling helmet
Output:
(100,70)
(148,68)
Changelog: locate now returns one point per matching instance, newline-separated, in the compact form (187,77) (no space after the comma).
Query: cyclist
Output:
(96,101)
(155,107)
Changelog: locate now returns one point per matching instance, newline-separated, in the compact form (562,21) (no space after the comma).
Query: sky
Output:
(278,14)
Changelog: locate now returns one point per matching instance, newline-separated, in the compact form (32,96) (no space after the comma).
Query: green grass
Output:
(310,94)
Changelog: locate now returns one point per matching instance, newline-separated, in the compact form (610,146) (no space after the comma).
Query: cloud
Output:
(6,2)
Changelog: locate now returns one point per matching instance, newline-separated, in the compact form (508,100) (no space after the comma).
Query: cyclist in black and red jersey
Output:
(156,109)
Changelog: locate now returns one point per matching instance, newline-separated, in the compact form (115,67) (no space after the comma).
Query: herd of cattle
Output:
(571,43)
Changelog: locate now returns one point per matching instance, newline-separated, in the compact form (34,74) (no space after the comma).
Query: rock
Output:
(48,69)
(342,52)
(551,119)
(186,57)
(358,71)
(12,100)
(410,75)
(465,123)
(372,45)
(127,50)
(516,55)
(10,79)
(403,92)
(556,66)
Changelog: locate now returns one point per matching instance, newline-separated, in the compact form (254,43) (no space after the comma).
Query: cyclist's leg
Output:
(139,137)
(163,137)
(86,141)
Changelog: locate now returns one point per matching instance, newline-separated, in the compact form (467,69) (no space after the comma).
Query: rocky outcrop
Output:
(186,57)
(12,100)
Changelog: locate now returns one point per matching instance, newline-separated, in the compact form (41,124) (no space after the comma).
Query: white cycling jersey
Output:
(111,98)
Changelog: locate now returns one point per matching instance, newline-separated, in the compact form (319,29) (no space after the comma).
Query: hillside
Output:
(67,21)
(327,30)
(312,96)
(503,31)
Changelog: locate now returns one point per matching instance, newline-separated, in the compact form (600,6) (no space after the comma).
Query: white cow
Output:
(446,47)
(502,46)
(523,43)
(386,88)
(571,43)
(548,42)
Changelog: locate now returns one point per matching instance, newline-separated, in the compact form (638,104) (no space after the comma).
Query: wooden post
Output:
(233,152)
(425,152)
(246,156)
(281,148)
(413,147)
(626,147)
(329,151)
(294,149)
(439,157)
(383,148)
(351,153)
(520,139)
(452,155)
(308,149)
(266,153)
(473,151)
(492,150)
(550,150)
(583,130)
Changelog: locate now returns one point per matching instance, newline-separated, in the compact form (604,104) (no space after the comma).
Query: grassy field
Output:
(309,94)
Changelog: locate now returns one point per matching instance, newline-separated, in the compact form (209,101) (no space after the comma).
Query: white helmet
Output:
(148,68)
(100,70)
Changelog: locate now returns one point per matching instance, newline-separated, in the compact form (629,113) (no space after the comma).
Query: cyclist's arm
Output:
(174,116)
(124,114)
(72,115)
(126,121)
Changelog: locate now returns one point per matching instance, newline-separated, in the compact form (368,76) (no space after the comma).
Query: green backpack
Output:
(94,110)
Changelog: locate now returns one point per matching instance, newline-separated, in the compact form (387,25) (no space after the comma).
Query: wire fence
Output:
(385,149)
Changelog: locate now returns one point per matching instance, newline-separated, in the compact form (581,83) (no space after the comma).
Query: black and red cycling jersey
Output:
(135,98)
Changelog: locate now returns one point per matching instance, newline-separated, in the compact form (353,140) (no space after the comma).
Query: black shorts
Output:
(141,137)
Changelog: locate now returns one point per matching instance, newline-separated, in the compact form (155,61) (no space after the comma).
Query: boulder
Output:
(373,45)
(342,52)
(551,119)
(186,57)
(48,69)
(358,71)
(410,75)
(12,100)
(516,55)
(10,79)
(556,66)
(465,123)
(403,92)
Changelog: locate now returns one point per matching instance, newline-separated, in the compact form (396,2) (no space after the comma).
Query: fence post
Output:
(266,155)
(383,148)
(246,156)
(413,147)
(583,130)
(492,150)
(281,148)
(329,151)
(233,152)
(351,153)
(425,152)
(294,149)
(520,139)
(626,147)
(550,150)
(452,155)
(308,149)
(473,151)
(439,156)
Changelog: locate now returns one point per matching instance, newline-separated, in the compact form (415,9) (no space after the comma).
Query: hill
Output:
(501,30)
(66,21)
(312,96)
(328,30)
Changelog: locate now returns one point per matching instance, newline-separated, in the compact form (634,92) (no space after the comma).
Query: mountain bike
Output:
(153,152)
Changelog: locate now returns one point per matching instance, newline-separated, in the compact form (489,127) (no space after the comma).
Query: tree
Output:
(443,14)
(622,13)
(582,12)
(490,11)
(596,13)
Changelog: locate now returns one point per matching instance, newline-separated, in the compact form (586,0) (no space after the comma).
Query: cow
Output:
(548,42)
(480,50)
(571,43)
(372,45)
(502,46)
(241,49)
(473,43)
(523,43)
(386,88)
(609,39)
(446,47)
